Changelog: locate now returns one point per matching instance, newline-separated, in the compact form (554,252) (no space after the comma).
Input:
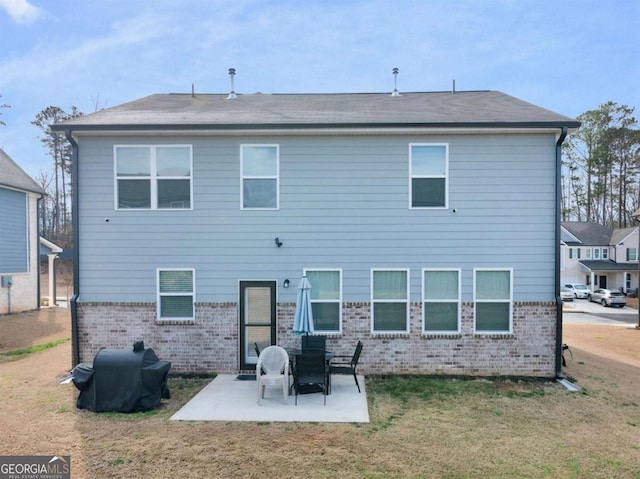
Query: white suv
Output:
(579,290)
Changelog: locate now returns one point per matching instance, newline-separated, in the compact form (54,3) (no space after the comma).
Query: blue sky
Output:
(568,56)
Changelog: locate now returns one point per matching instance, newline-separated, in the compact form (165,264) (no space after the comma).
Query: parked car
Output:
(608,297)
(579,290)
(566,294)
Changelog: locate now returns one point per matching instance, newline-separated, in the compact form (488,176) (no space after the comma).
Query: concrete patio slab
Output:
(227,399)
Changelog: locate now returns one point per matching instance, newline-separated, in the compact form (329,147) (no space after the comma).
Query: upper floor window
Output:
(441,300)
(390,301)
(493,296)
(632,254)
(587,252)
(605,253)
(260,171)
(176,294)
(153,177)
(428,172)
(326,299)
(596,253)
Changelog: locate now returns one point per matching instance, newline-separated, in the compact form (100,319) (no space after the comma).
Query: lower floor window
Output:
(390,301)
(493,296)
(176,294)
(441,301)
(326,299)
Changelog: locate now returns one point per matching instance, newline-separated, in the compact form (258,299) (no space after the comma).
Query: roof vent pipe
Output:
(232,95)
(453,86)
(395,82)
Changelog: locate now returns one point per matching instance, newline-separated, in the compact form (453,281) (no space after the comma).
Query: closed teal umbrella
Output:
(303,321)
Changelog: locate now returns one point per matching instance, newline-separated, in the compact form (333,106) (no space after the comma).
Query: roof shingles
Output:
(12,176)
(474,108)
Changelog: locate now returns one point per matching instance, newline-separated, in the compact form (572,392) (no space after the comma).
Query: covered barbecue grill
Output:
(122,380)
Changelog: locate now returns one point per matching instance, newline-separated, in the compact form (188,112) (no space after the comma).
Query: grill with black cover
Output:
(122,380)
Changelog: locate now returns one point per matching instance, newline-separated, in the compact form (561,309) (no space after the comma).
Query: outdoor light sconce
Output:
(278,242)
(286,283)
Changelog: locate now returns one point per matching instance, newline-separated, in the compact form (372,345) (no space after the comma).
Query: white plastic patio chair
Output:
(273,370)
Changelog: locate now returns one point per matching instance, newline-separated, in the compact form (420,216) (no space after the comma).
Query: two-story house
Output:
(427,223)
(599,257)
(19,240)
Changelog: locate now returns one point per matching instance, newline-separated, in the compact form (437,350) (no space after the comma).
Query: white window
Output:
(326,299)
(428,173)
(176,294)
(260,171)
(632,254)
(605,253)
(153,177)
(493,299)
(389,301)
(441,300)
(596,253)
(587,253)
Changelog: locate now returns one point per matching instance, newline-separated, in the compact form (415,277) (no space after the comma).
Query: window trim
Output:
(159,295)
(458,301)
(339,300)
(243,177)
(476,301)
(153,176)
(446,177)
(406,300)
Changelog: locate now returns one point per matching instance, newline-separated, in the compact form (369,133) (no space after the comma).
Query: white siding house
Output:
(600,257)
(427,223)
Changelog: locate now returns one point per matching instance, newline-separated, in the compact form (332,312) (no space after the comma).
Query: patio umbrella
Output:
(303,321)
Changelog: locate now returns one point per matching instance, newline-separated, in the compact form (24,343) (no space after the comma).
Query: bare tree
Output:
(60,150)
(2,106)
(601,167)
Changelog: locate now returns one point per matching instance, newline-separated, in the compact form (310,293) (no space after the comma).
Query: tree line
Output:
(55,207)
(601,167)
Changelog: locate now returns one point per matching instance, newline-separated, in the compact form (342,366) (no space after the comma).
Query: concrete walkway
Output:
(227,399)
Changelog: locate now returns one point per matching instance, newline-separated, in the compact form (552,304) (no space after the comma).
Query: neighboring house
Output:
(19,240)
(599,257)
(427,223)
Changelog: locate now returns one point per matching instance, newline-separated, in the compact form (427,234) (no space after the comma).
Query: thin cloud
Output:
(37,64)
(21,11)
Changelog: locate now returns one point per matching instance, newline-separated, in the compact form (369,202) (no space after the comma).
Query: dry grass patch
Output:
(420,427)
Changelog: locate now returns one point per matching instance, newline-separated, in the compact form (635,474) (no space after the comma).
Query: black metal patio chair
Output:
(347,364)
(310,375)
(314,344)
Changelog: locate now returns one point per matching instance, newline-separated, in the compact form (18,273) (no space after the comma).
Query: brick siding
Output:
(210,342)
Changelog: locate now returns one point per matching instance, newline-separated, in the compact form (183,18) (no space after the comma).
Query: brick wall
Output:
(210,343)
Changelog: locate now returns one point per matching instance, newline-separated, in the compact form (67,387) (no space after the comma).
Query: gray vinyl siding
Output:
(14,257)
(344,203)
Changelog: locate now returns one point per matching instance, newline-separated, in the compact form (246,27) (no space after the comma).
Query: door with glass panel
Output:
(257,319)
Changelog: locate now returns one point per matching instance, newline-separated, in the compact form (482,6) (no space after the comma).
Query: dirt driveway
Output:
(38,416)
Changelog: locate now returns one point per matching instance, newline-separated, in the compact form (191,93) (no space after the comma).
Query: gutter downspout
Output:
(38,206)
(75,339)
(558,238)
